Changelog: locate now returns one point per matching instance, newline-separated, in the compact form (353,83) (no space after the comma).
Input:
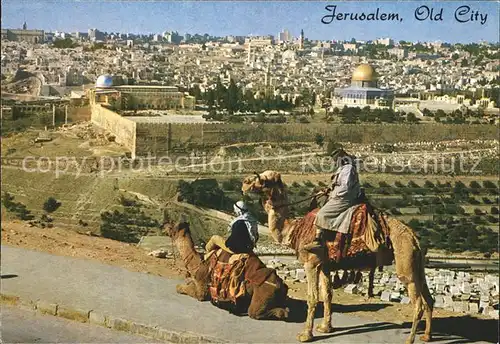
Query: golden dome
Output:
(364,72)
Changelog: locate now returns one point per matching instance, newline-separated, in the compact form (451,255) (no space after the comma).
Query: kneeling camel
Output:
(267,299)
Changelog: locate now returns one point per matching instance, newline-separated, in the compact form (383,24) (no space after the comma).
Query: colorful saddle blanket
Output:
(231,273)
(368,231)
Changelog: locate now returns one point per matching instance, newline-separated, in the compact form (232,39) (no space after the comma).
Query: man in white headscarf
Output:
(244,230)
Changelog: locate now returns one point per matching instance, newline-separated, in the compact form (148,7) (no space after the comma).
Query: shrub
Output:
(488,184)
(395,211)
(478,211)
(472,200)
(308,183)
(428,184)
(494,211)
(412,184)
(51,205)
(486,200)
(399,184)
(383,184)
(295,184)
(19,210)
(492,219)
(475,185)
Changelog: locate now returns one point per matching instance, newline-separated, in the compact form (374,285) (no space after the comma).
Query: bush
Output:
(488,184)
(492,219)
(383,184)
(19,210)
(295,184)
(412,184)
(395,211)
(475,185)
(308,183)
(478,211)
(51,205)
(399,184)
(428,184)
(494,211)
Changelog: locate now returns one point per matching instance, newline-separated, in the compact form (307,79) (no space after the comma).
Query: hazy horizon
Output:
(224,18)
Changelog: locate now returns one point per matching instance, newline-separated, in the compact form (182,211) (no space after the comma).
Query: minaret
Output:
(301,43)
(249,53)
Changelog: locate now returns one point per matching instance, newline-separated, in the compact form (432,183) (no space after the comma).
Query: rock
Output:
(460,307)
(300,274)
(448,301)
(395,296)
(494,314)
(351,289)
(405,300)
(465,288)
(439,301)
(473,308)
(161,253)
(386,296)
(455,290)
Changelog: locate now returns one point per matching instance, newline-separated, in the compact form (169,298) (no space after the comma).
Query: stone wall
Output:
(123,128)
(162,138)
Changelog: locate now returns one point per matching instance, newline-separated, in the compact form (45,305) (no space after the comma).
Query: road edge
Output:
(107,320)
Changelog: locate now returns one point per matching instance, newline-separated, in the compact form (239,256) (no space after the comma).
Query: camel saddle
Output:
(368,234)
(231,272)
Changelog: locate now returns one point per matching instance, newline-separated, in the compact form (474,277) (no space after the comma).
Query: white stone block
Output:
(395,296)
(494,314)
(460,307)
(439,301)
(351,289)
(386,296)
(465,288)
(473,308)
(405,300)
(300,274)
(455,290)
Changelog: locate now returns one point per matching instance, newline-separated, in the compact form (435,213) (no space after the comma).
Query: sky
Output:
(221,18)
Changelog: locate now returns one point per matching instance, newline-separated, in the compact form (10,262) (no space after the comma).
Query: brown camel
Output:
(266,298)
(409,258)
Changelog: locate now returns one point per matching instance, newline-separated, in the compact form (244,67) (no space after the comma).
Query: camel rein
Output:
(299,201)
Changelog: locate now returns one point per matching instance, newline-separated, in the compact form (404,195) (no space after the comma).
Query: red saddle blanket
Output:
(230,273)
(351,244)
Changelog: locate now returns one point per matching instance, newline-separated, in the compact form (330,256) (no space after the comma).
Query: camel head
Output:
(179,230)
(271,187)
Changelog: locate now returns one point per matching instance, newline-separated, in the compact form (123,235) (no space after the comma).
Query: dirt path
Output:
(65,242)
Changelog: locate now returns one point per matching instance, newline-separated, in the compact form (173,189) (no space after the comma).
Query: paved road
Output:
(152,300)
(23,326)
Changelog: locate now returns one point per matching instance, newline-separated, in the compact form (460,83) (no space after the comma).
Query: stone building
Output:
(109,90)
(31,36)
(364,90)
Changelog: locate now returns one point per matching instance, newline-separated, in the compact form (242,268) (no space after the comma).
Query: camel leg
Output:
(325,284)
(416,300)
(312,274)
(428,303)
(371,278)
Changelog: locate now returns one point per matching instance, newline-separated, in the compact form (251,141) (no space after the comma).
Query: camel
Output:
(409,258)
(267,299)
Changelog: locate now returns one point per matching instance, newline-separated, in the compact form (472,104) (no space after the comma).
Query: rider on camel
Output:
(344,192)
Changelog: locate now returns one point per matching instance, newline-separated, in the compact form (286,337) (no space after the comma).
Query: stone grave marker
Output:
(300,274)
(460,307)
(395,296)
(386,296)
(439,301)
(351,289)
(473,308)
(405,300)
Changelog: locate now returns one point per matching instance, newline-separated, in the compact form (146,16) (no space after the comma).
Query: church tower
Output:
(301,40)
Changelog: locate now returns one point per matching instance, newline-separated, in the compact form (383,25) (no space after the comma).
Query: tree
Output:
(319,139)
(51,205)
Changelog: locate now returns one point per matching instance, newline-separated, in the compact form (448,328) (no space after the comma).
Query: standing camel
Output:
(267,292)
(296,233)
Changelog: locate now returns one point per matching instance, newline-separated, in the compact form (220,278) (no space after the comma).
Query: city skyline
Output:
(256,18)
